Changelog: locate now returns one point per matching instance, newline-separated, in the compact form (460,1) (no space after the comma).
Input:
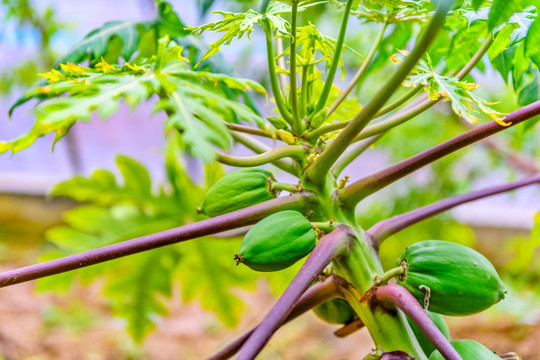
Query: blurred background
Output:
(67,318)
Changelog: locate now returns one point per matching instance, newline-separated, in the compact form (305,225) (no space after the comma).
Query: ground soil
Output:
(37,327)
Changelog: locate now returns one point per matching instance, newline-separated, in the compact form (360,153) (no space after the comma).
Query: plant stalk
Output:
(335,60)
(273,73)
(316,172)
(232,220)
(384,229)
(296,121)
(359,73)
(294,151)
(354,193)
(260,148)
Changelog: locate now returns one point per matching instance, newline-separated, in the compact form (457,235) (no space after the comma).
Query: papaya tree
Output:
(426,51)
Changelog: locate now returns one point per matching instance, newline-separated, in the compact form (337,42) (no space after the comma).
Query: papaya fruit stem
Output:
(334,244)
(394,294)
(392,273)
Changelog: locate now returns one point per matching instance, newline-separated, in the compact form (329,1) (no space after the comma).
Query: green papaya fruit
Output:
(460,280)
(237,190)
(468,350)
(335,311)
(424,342)
(277,242)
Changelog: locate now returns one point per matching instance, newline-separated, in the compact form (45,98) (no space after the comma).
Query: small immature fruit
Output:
(336,311)
(468,349)
(237,190)
(277,242)
(424,342)
(460,281)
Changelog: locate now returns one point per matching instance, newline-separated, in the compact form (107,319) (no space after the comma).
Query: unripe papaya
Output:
(237,190)
(468,350)
(336,311)
(424,342)
(277,242)
(460,280)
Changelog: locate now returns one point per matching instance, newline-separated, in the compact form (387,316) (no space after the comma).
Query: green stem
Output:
(398,102)
(421,105)
(352,153)
(359,73)
(296,121)
(354,193)
(325,226)
(294,151)
(395,120)
(303,92)
(277,186)
(320,167)
(260,148)
(249,130)
(476,58)
(335,60)
(390,274)
(273,73)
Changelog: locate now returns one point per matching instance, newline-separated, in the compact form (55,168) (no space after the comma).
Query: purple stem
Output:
(314,296)
(235,219)
(383,229)
(328,247)
(404,300)
(368,185)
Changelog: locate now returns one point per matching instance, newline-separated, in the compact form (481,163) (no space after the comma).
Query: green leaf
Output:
(233,25)
(94,45)
(451,89)
(531,43)
(138,298)
(168,21)
(501,11)
(530,92)
(199,103)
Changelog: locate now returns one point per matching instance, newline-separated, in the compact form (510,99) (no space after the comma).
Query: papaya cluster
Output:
(274,243)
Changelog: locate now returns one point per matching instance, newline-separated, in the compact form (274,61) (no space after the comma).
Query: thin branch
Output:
(330,246)
(335,60)
(383,229)
(320,167)
(233,220)
(293,93)
(421,104)
(399,101)
(294,151)
(500,148)
(259,148)
(281,63)
(359,73)
(366,186)
(352,153)
(249,130)
(394,294)
(476,58)
(273,73)
(316,295)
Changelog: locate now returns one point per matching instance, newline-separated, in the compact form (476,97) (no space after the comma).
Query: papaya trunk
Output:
(388,328)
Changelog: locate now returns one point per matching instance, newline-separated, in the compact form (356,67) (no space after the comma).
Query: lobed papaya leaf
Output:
(451,89)
(197,102)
